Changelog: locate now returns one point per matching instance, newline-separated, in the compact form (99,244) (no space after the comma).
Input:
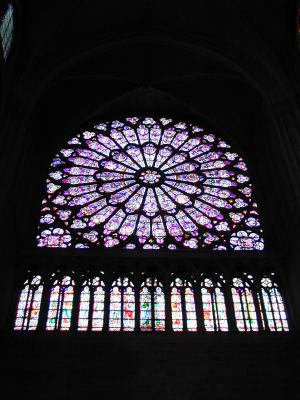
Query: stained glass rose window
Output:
(146,183)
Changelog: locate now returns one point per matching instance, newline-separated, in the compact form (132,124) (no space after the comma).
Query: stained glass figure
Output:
(7,30)
(152,306)
(243,301)
(274,315)
(122,306)
(145,183)
(29,304)
(91,308)
(183,306)
(214,308)
(61,304)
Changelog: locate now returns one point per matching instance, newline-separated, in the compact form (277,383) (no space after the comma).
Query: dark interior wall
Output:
(228,65)
(220,367)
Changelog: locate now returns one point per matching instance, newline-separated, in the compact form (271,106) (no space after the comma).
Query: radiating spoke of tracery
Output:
(60,304)
(150,184)
(122,306)
(183,306)
(152,306)
(244,305)
(91,308)
(273,310)
(213,301)
(29,304)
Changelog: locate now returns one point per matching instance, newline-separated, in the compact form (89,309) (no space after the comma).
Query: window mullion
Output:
(75,305)
(244,304)
(45,304)
(229,307)
(213,308)
(92,290)
(258,309)
(249,312)
(168,302)
(263,309)
(30,305)
(199,308)
(183,308)
(107,292)
(122,307)
(25,310)
(152,305)
(60,306)
(137,302)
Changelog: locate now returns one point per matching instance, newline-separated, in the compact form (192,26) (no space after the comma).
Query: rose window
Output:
(145,183)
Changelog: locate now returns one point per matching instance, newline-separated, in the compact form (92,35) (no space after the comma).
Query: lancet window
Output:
(29,304)
(273,309)
(214,307)
(60,304)
(152,306)
(91,308)
(244,303)
(183,306)
(122,305)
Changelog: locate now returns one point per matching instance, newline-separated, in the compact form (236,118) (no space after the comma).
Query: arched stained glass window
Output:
(244,306)
(122,306)
(29,304)
(183,306)
(273,314)
(60,304)
(7,30)
(152,306)
(91,308)
(213,301)
(150,184)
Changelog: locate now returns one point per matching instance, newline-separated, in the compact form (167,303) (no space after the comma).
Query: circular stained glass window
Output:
(146,183)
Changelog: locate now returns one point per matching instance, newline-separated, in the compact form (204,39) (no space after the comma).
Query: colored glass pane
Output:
(60,305)
(176,306)
(83,320)
(214,309)
(145,309)
(115,309)
(244,307)
(274,315)
(151,184)
(128,310)
(122,306)
(98,309)
(29,305)
(159,310)
(7,30)
(191,319)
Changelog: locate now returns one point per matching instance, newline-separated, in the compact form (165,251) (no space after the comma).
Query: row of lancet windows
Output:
(183,305)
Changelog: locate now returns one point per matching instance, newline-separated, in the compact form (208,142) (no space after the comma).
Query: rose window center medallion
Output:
(150,177)
(145,183)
